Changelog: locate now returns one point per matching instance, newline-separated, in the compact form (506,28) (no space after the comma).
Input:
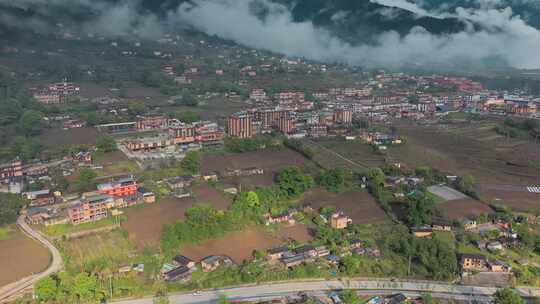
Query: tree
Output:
(46,289)
(252,199)
(187,116)
(136,108)
(191,163)
(11,205)
(294,182)
(376,177)
(334,180)
(420,211)
(84,286)
(188,100)
(85,180)
(508,296)
(466,184)
(31,122)
(106,143)
(350,297)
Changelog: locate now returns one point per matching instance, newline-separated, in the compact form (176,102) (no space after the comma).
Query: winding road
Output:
(13,289)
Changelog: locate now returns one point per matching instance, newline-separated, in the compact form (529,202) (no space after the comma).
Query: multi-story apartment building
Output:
(257,95)
(286,124)
(343,116)
(207,132)
(150,143)
(152,122)
(48,97)
(11,171)
(89,209)
(270,117)
(122,187)
(182,133)
(240,125)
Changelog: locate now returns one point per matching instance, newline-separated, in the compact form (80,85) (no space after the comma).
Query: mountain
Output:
(362,20)
(529,10)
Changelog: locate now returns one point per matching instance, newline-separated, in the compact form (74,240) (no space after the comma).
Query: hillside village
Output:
(264,159)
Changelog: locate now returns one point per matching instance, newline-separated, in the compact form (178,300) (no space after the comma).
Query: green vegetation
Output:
(508,296)
(514,128)
(191,163)
(242,145)
(466,184)
(350,297)
(5,232)
(293,181)
(136,108)
(419,210)
(11,206)
(105,143)
(85,182)
(334,180)
(65,229)
(31,122)
(430,257)
(298,146)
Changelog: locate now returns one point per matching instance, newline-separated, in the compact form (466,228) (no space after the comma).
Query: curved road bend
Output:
(269,291)
(56,265)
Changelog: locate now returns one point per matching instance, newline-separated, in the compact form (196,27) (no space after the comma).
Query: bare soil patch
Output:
(146,223)
(462,209)
(269,160)
(360,206)
(239,246)
(205,194)
(78,136)
(20,257)
(519,201)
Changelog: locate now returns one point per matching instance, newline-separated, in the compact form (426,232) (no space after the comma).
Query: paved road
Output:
(269,291)
(56,265)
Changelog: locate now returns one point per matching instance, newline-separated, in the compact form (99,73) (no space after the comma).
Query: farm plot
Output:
(54,138)
(206,194)
(270,161)
(362,155)
(145,224)
(20,257)
(361,207)
(244,243)
(446,193)
(462,209)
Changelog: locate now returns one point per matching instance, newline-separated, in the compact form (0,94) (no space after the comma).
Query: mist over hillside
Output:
(371,33)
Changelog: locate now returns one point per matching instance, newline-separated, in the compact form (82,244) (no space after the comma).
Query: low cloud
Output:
(503,35)
(492,32)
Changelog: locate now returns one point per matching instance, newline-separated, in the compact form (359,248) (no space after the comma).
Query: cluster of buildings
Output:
(170,138)
(11,176)
(50,208)
(181,268)
(108,198)
(249,123)
(56,93)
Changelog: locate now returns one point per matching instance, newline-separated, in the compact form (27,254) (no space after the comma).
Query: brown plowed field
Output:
(271,161)
(462,209)
(360,206)
(239,246)
(79,136)
(20,257)
(145,223)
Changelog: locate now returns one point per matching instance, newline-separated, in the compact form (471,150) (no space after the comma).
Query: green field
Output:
(66,229)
